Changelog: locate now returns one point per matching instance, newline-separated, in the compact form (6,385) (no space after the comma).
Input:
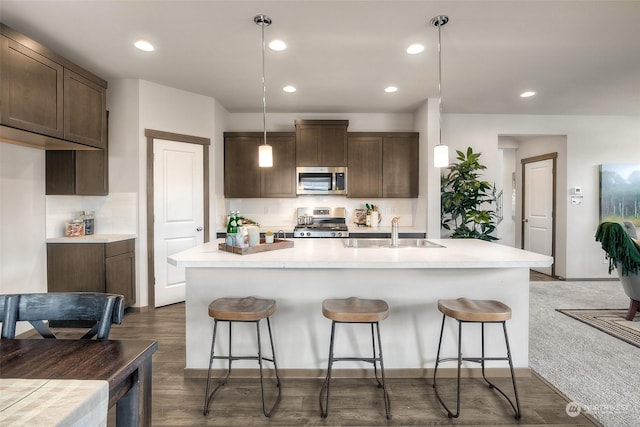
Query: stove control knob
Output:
(339,234)
(333,234)
(308,234)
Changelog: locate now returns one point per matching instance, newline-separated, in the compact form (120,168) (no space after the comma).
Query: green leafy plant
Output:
(465,198)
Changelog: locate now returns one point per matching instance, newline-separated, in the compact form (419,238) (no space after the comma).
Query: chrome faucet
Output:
(394,231)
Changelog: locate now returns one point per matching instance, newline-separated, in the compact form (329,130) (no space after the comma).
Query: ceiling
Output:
(581,57)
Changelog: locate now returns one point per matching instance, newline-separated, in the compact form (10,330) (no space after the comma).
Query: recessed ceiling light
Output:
(144,45)
(289,89)
(415,49)
(527,94)
(391,89)
(277,45)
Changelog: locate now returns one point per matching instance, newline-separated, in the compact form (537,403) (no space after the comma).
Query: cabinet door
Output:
(75,267)
(333,148)
(241,171)
(308,139)
(321,144)
(364,177)
(280,179)
(77,172)
(120,273)
(31,90)
(400,167)
(85,116)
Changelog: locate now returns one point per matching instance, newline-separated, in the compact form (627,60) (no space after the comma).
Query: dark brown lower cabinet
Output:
(93,267)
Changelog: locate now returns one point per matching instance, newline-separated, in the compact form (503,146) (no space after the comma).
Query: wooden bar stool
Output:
(475,311)
(248,309)
(355,310)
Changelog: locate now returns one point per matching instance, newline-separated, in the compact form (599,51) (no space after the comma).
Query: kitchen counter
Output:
(353,229)
(94,238)
(331,253)
(411,280)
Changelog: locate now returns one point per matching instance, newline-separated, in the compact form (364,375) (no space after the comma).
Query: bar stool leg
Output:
(459,360)
(516,407)
(264,409)
(387,402)
(324,406)
(209,397)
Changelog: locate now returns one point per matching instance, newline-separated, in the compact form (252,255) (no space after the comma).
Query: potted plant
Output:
(466,199)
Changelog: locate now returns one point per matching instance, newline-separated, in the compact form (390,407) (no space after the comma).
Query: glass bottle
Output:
(232,229)
(89,222)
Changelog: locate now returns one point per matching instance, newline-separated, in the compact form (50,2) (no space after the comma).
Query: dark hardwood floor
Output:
(177,401)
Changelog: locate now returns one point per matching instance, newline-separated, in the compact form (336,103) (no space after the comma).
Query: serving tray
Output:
(262,247)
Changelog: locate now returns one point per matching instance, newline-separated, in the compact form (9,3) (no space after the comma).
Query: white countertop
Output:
(94,238)
(331,253)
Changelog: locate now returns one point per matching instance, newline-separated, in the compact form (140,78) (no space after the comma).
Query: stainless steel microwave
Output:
(321,180)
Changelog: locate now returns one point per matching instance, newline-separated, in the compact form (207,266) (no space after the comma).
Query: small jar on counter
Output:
(75,228)
(89,222)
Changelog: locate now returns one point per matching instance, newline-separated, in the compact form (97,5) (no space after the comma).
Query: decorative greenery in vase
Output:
(465,197)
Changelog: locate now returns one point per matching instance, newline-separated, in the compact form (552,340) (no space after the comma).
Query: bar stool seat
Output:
(242,309)
(248,309)
(475,311)
(355,310)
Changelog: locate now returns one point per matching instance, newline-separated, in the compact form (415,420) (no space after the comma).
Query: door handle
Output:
(525,220)
(199,229)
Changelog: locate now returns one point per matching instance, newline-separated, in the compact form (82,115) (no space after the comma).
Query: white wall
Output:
(23,262)
(591,141)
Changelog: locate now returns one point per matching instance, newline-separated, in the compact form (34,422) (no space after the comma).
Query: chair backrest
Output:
(99,310)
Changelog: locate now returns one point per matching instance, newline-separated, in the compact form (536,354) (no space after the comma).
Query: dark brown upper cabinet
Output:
(383,164)
(47,101)
(242,175)
(321,142)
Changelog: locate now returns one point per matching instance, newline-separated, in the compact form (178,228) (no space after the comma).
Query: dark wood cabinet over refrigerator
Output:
(93,267)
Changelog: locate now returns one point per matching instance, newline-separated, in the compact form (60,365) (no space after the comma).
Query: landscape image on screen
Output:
(620,193)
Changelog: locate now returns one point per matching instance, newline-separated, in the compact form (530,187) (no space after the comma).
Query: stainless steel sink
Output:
(386,243)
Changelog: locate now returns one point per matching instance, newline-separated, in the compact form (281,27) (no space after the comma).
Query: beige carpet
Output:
(610,321)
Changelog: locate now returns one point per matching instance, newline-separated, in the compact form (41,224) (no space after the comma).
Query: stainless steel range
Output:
(321,222)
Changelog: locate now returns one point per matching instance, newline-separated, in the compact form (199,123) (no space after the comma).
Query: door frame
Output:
(549,156)
(151,135)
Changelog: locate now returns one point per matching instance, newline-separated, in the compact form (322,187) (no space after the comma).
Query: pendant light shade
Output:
(265,153)
(440,151)
(265,156)
(441,156)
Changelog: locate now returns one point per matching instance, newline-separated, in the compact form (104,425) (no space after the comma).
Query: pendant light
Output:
(265,153)
(440,151)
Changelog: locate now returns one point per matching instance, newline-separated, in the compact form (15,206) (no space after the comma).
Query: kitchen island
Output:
(411,280)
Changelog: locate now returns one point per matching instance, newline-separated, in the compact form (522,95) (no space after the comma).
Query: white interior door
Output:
(538,209)
(178,212)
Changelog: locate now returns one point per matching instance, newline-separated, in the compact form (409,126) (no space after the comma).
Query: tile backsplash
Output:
(282,212)
(116,213)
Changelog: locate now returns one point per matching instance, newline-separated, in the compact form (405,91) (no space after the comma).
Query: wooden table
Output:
(125,365)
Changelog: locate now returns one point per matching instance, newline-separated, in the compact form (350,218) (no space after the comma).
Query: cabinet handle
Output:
(199,229)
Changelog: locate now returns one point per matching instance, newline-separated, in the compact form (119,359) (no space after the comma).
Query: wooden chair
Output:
(97,310)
